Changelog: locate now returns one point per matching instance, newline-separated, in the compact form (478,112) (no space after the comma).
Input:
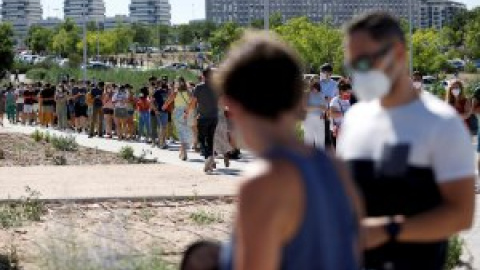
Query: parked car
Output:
(39,59)
(477,63)
(97,66)
(457,64)
(63,62)
(428,82)
(170,49)
(175,66)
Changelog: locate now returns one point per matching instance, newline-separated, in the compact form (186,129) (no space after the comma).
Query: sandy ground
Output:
(21,150)
(70,234)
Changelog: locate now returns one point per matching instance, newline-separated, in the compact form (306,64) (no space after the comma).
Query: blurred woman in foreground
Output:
(295,213)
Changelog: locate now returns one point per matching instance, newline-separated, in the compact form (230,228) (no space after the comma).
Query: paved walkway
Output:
(172,177)
(135,182)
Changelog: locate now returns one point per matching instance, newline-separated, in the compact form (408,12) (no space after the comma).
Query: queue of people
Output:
(401,181)
(110,110)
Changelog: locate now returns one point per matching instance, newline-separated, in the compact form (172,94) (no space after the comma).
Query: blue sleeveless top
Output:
(328,235)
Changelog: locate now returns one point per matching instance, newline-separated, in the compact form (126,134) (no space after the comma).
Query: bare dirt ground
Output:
(71,234)
(21,150)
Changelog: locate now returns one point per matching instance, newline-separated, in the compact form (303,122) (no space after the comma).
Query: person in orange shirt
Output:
(143,107)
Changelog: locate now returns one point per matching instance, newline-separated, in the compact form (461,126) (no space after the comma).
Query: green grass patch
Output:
(15,214)
(205,218)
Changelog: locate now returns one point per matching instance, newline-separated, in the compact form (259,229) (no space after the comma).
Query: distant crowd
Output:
(159,114)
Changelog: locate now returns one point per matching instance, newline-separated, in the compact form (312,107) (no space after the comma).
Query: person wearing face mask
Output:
(409,153)
(314,124)
(338,107)
(455,96)
(417,79)
(330,90)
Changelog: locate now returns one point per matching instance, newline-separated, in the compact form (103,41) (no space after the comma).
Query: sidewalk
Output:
(133,182)
(172,177)
(170,156)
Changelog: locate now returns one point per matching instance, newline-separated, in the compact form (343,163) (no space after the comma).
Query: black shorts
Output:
(81,110)
(169,117)
(107,111)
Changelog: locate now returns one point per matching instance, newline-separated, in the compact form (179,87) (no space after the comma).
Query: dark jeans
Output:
(206,133)
(96,120)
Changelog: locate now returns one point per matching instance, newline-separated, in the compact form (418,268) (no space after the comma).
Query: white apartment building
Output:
(150,12)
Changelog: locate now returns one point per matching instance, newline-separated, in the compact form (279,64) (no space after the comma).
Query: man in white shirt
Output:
(409,153)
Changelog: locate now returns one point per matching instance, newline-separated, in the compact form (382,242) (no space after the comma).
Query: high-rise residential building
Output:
(50,22)
(112,22)
(150,11)
(438,13)
(335,11)
(79,10)
(21,14)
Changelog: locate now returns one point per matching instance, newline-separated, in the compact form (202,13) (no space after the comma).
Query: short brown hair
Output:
(263,74)
(379,25)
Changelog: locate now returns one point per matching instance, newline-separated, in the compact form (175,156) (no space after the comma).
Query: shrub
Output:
(37,74)
(470,67)
(60,160)
(29,208)
(127,153)
(205,218)
(65,143)
(47,137)
(455,249)
(37,135)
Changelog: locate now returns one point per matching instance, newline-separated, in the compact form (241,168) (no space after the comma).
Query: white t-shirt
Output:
(120,99)
(426,134)
(19,94)
(341,106)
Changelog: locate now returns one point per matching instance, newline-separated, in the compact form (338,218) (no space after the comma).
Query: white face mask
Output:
(371,84)
(456,91)
(417,85)
(323,76)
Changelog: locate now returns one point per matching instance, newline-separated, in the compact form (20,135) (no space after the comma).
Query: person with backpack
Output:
(338,108)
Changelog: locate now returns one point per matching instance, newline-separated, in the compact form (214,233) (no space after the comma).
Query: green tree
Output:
(186,35)
(142,35)
(66,37)
(428,56)
(224,36)
(163,35)
(6,47)
(316,43)
(122,38)
(472,34)
(39,39)
(275,20)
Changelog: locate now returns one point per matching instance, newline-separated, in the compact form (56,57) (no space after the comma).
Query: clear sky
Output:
(182,10)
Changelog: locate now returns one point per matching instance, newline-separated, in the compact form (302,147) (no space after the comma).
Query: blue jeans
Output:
(144,124)
(162,120)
